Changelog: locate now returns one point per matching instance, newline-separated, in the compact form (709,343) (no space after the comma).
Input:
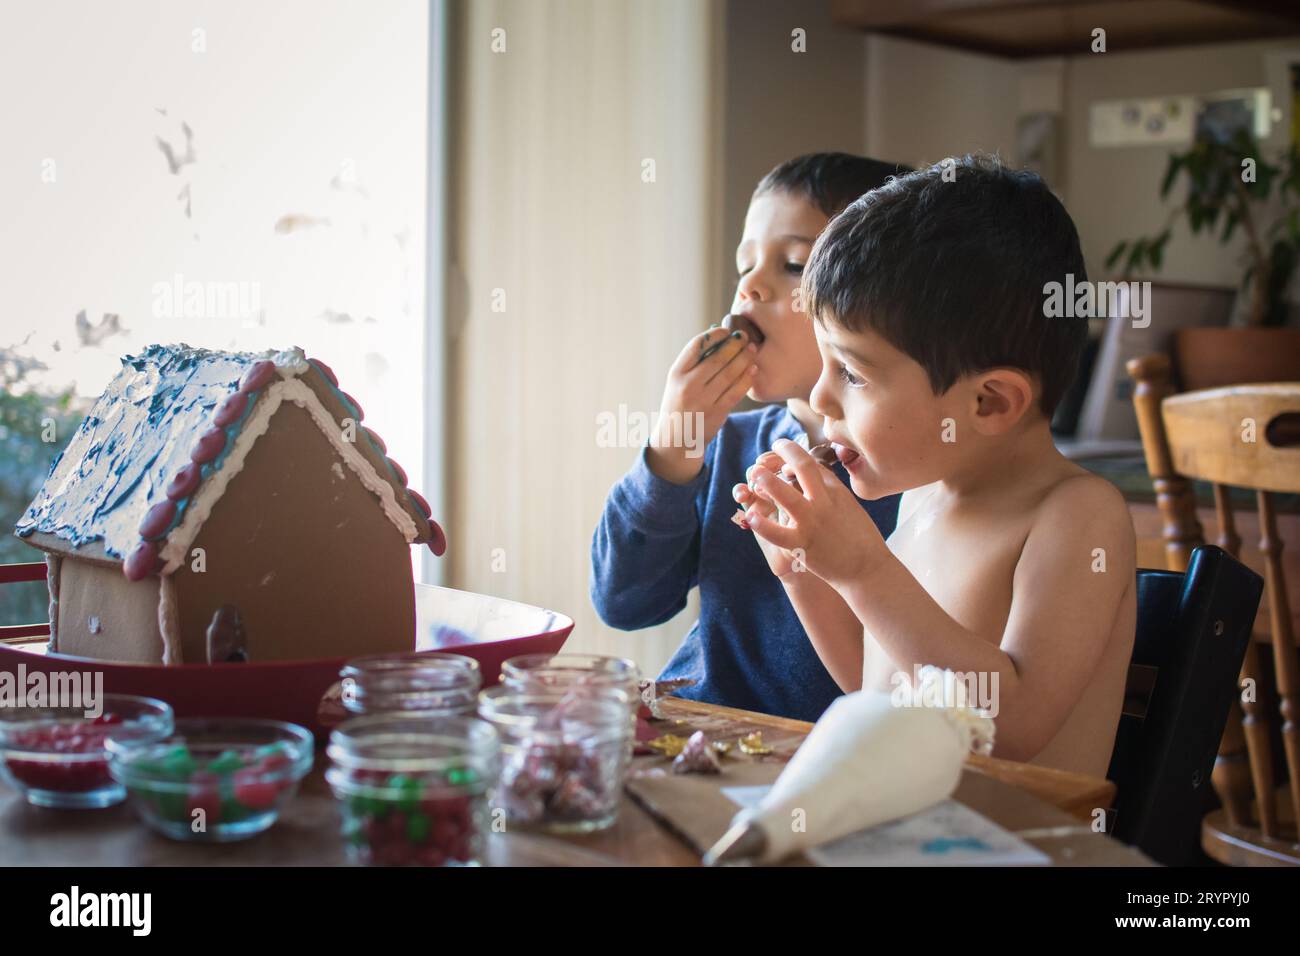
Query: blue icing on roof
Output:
(136,437)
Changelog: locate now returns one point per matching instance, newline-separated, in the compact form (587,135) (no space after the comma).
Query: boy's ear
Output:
(1003,396)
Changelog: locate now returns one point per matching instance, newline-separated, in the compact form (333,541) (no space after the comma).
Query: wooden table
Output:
(1046,807)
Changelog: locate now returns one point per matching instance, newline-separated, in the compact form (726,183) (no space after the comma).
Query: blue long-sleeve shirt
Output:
(657,540)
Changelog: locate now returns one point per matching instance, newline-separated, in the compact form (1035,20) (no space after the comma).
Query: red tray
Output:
(488,629)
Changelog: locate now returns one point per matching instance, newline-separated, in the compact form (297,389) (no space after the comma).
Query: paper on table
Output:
(947,834)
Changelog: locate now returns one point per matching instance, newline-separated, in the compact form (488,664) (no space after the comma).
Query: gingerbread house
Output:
(218,506)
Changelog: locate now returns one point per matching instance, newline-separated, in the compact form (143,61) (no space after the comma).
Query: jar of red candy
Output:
(547,673)
(565,755)
(429,683)
(413,789)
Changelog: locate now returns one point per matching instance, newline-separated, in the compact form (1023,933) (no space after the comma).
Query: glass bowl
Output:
(58,757)
(213,780)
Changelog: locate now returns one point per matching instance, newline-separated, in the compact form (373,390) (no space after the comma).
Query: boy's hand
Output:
(710,388)
(781,561)
(824,523)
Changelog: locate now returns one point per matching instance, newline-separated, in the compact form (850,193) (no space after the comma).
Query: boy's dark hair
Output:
(952,272)
(830,181)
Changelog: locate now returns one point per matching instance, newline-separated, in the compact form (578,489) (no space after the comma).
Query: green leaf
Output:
(1229,225)
(1115,254)
(1136,255)
(1158,250)
(1176,163)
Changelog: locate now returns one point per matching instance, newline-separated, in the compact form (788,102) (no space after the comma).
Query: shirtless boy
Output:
(939,375)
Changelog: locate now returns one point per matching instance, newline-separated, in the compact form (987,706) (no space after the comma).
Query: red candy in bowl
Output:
(58,757)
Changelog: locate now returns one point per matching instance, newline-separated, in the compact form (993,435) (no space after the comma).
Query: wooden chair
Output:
(1245,436)
(1192,632)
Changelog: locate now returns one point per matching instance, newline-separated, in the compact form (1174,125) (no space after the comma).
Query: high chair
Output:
(1192,632)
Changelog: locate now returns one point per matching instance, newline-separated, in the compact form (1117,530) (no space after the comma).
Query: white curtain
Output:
(574,280)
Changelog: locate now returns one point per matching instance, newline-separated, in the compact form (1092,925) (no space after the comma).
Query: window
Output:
(236,177)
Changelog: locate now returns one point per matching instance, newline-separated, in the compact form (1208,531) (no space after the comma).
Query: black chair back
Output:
(1192,633)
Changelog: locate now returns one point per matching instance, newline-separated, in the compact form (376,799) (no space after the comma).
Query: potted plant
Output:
(1231,186)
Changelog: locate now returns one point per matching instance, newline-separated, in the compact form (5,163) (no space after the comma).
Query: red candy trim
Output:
(355,404)
(401,472)
(230,411)
(209,446)
(326,371)
(379,442)
(157,520)
(141,562)
(184,482)
(420,503)
(437,539)
(257,376)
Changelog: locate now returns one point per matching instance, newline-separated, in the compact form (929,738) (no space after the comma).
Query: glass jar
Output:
(564,754)
(549,672)
(429,683)
(413,789)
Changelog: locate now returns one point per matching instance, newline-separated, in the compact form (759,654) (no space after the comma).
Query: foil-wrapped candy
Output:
(574,800)
(698,756)
(670,745)
(653,692)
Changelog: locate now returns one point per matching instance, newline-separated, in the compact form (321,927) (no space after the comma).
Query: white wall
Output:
(780,103)
(580,280)
(1114,192)
(925,102)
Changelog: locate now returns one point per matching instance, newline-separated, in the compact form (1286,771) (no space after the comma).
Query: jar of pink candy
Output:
(565,755)
(561,672)
(413,789)
(429,683)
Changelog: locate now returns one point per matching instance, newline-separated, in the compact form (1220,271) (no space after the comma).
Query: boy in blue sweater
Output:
(667,525)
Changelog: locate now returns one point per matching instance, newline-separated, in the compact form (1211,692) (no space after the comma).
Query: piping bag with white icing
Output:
(867,761)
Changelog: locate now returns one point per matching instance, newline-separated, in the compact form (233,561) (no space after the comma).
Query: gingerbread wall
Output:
(105,616)
(304,551)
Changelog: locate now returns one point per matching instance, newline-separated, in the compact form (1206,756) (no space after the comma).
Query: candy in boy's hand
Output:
(734,323)
(745,324)
(823,454)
